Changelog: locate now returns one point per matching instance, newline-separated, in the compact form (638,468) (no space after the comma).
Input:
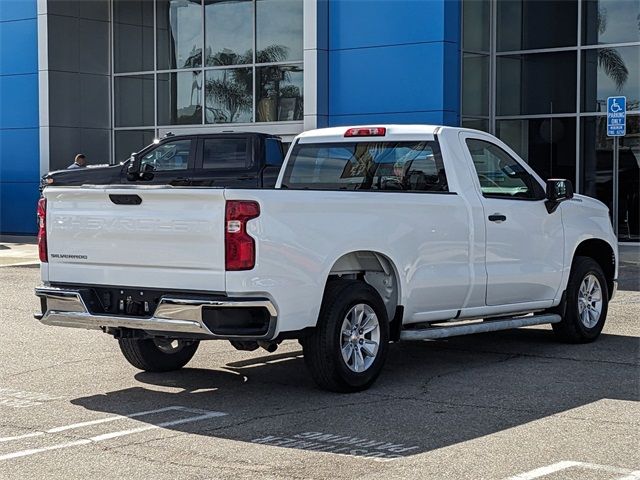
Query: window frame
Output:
(537,189)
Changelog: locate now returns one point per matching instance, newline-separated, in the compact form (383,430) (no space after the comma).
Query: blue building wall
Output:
(393,61)
(19,135)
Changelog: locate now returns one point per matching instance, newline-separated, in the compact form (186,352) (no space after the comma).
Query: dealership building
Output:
(105,77)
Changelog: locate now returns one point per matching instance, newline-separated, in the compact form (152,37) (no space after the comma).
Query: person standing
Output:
(79,162)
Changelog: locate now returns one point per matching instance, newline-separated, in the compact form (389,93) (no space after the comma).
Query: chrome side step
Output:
(430,333)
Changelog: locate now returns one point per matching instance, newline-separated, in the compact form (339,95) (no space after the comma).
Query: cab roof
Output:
(393,132)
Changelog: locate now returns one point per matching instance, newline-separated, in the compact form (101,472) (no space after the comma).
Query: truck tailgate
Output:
(153,237)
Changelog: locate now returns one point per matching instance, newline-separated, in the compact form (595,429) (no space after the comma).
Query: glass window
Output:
(476,25)
(536,83)
(476,123)
(179,98)
(134,100)
(133,35)
(227,153)
(252,68)
(548,145)
(475,84)
(131,141)
(408,166)
(228,95)
(278,31)
(596,159)
(228,32)
(610,21)
(526,24)
(608,72)
(279,90)
(179,34)
(169,156)
(501,175)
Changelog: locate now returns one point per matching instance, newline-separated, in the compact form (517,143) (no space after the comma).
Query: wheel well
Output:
(376,270)
(603,254)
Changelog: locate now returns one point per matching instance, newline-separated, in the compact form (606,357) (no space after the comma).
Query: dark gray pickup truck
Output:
(232,160)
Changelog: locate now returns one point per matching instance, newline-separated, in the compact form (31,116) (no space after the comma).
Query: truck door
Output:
(524,243)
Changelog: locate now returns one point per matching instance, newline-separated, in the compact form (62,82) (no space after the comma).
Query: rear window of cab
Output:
(413,166)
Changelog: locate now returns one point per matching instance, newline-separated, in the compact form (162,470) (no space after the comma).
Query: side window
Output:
(501,175)
(169,156)
(227,154)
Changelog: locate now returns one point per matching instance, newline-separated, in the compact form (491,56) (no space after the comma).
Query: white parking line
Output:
(557,467)
(632,476)
(86,424)
(202,415)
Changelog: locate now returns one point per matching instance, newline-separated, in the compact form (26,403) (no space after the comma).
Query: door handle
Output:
(120,199)
(497,217)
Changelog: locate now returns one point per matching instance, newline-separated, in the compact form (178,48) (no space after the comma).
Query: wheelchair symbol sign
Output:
(616,116)
(615,106)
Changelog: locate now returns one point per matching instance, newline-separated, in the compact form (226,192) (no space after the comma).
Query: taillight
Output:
(42,230)
(240,248)
(366,132)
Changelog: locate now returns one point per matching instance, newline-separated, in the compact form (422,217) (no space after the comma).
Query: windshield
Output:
(413,166)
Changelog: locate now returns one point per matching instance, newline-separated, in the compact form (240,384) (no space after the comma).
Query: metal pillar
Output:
(616,169)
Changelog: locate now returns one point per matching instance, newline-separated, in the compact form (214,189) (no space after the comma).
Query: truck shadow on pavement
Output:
(430,394)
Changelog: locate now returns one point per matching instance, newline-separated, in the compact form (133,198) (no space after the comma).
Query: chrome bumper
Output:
(173,315)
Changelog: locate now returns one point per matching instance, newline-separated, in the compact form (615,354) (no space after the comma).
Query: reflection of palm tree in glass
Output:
(194,59)
(269,80)
(234,90)
(609,59)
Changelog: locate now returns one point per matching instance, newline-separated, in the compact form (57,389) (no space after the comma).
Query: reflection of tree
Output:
(194,59)
(270,77)
(232,91)
(608,58)
(228,57)
(228,92)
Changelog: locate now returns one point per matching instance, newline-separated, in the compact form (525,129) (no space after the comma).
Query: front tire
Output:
(157,355)
(348,347)
(587,303)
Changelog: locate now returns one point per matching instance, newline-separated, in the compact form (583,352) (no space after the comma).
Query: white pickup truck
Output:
(373,234)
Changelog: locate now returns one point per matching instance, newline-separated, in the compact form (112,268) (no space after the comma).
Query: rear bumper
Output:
(174,316)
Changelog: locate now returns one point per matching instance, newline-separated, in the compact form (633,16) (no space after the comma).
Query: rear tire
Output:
(348,347)
(157,355)
(587,301)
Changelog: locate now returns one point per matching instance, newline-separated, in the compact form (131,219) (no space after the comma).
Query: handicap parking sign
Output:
(616,116)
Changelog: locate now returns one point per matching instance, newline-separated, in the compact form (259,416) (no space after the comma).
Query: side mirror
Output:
(558,190)
(132,168)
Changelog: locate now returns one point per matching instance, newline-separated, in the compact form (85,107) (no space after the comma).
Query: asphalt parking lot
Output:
(502,405)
